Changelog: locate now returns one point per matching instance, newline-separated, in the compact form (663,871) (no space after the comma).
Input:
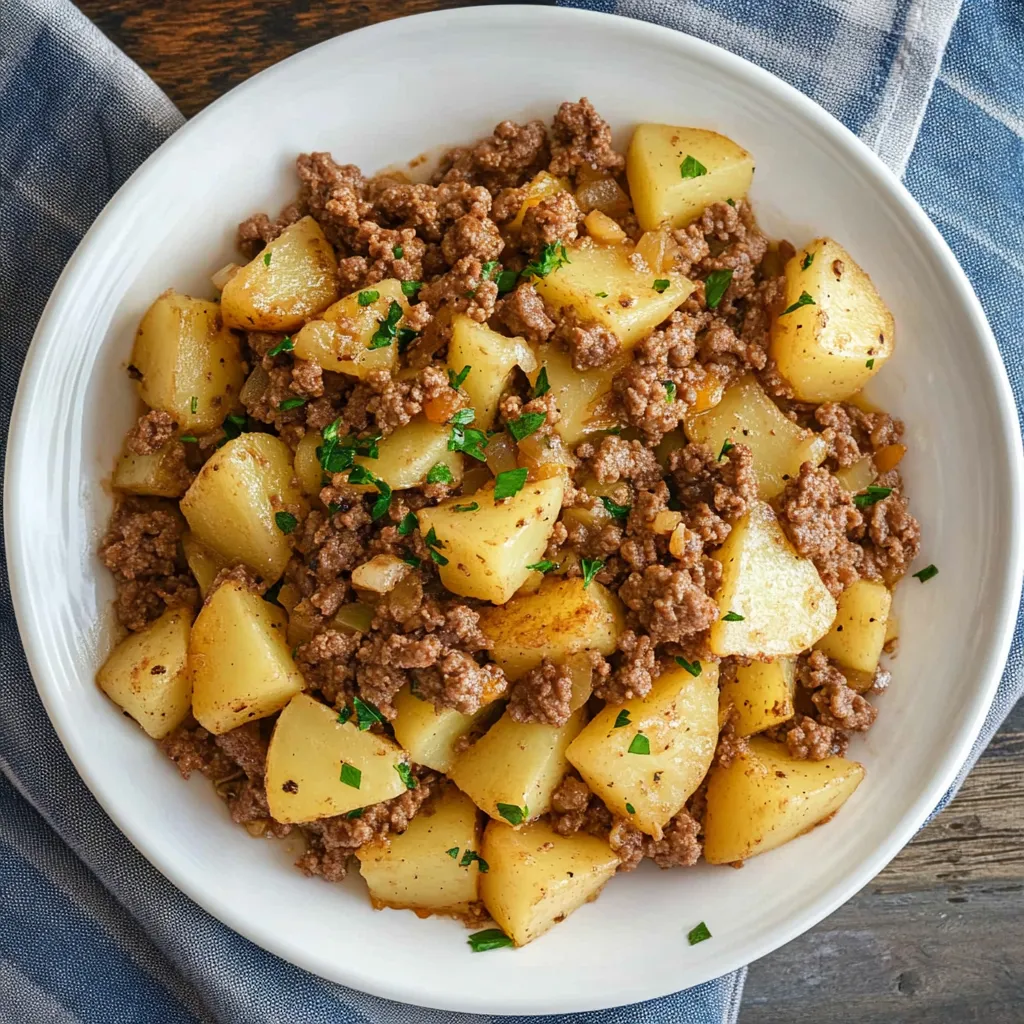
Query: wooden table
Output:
(939,935)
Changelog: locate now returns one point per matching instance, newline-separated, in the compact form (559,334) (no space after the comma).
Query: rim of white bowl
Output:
(1008,591)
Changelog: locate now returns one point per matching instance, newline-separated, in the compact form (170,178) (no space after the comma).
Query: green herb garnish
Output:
(614,509)
(600,295)
(542,387)
(233,427)
(670,390)
(351,776)
(693,667)
(691,167)
(411,288)
(471,507)
(509,483)
(455,379)
(465,438)
(471,855)
(640,744)
(727,446)
(453,853)
(513,814)
(433,543)
(366,714)
(525,425)
(367,298)
(194,404)
(873,494)
(489,938)
(591,567)
(870,364)
(439,474)
(387,329)
(291,403)
(622,719)
(698,934)
(926,573)
(807,260)
(405,774)
(506,281)
(804,300)
(189,438)
(398,252)
(715,286)
(409,523)
(732,617)
(661,284)
(266,259)
(361,475)
(344,714)
(284,345)
(357,813)
(552,256)
(630,809)
(286,522)
(544,566)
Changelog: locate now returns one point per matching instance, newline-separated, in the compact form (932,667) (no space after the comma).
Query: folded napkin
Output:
(89,932)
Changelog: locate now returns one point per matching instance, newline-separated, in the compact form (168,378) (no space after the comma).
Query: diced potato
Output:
(746,415)
(516,767)
(761,694)
(430,734)
(340,338)
(426,867)
(602,228)
(492,358)
(291,280)
(766,798)
(583,397)
(147,676)
(832,346)
(203,563)
(241,666)
(602,285)
(489,548)
(537,877)
(308,470)
(666,182)
(857,477)
(857,636)
(679,721)
(538,188)
(775,601)
(305,777)
(231,505)
(561,618)
(158,473)
(187,358)
(407,455)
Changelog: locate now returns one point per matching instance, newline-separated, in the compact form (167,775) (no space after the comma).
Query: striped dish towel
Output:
(89,932)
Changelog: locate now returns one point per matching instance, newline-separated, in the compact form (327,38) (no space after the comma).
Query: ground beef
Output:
(466,288)
(542,695)
(241,574)
(522,313)
(819,517)
(554,219)
(512,155)
(627,842)
(853,433)
(151,433)
(725,481)
(327,664)
(459,682)
(730,746)
(617,459)
(590,343)
(394,403)
(254,232)
(635,673)
(809,740)
(680,845)
(671,604)
(839,706)
(472,236)
(193,749)
(579,135)
(895,538)
(647,402)
(575,809)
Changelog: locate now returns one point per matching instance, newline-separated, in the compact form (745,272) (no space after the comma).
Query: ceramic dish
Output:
(381,96)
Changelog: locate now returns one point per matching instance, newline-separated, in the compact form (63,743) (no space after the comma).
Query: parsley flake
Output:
(357,813)
(661,284)
(471,855)
(691,167)
(189,438)
(525,425)
(366,714)
(731,202)
(804,300)
(621,719)
(291,403)
(640,744)
(870,364)
(693,667)
(542,387)
(807,260)
(453,853)
(630,809)
(487,269)
(286,522)
(433,543)
(405,774)
(670,390)
(926,573)
(506,281)
(411,288)
(471,507)
(552,256)
(367,298)
(600,295)
(698,934)
(465,438)
(439,473)
(409,523)
(351,775)
(455,380)
(361,475)
(233,427)
(387,329)
(266,259)
(514,814)
(732,617)
(509,483)
(873,494)
(284,345)
(591,567)
(194,404)
(544,566)
(489,938)
(727,446)
(614,509)
(344,714)
(398,252)
(715,286)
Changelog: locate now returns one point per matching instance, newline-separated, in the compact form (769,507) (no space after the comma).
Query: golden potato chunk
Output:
(857,636)
(293,279)
(159,473)
(432,867)
(858,476)
(203,563)
(308,470)
(487,546)
(746,415)
(602,285)
(771,602)
(675,173)
(537,877)
(318,767)
(834,332)
(562,617)
(232,505)
(190,364)
(241,666)
(407,455)
(491,358)
(146,675)
(359,333)
(430,734)
(645,758)
(760,694)
(766,798)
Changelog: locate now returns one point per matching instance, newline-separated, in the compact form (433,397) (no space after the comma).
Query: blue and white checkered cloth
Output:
(89,932)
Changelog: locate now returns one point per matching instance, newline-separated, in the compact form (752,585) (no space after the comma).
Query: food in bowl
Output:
(543,495)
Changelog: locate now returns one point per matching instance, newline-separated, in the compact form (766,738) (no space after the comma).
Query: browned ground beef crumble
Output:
(443,234)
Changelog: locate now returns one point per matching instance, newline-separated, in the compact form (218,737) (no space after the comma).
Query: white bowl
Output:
(384,95)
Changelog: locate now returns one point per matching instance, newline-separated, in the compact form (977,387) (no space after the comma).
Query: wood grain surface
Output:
(938,937)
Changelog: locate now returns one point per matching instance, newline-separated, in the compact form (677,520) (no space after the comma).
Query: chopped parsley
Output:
(525,425)
(640,744)
(489,938)
(406,336)
(387,329)
(189,438)
(732,617)
(232,427)
(488,269)
(337,454)
(411,288)
(411,560)
(591,567)
(552,256)
(361,475)
(661,284)
(194,404)
(807,261)
(465,438)
(600,295)
(731,202)
(351,775)
(870,364)
(409,523)
(471,507)
(398,252)
(614,509)
(439,473)
(514,814)
(433,543)
(286,522)
(715,286)
(544,566)
(693,667)
(455,380)
(471,855)
(630,809)
(621,719)
(453,853)
(509,483)
(804,300)
(367,298)
(691,167)
(273,592)
(291,403)
(542,387)
(284,345)
(926,573)
(357,813)
(873,494)
(506,281)
(405,774)
(727,446)
(698,934)
(670,390)
(366,714)
(266,259)
(344,714)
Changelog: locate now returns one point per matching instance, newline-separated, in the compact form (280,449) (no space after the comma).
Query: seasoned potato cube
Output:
(293,279)
(147,677)
(835,332)
(231,505)
(492,358)
(308,470)
(858,476)
(430,734)
(190,364)
(583,397)
(489,548)
(537,877)
(241,666)
(675,173)
(341,339)
(538,188)
(427,867)
(746,415)
(203,563)
(318,767)
(562,617)
(602,285)
(512,770)
(858,634)
(159,473)
(646,769)
(407,455)
(761,694)
(766,798)
(771,602)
